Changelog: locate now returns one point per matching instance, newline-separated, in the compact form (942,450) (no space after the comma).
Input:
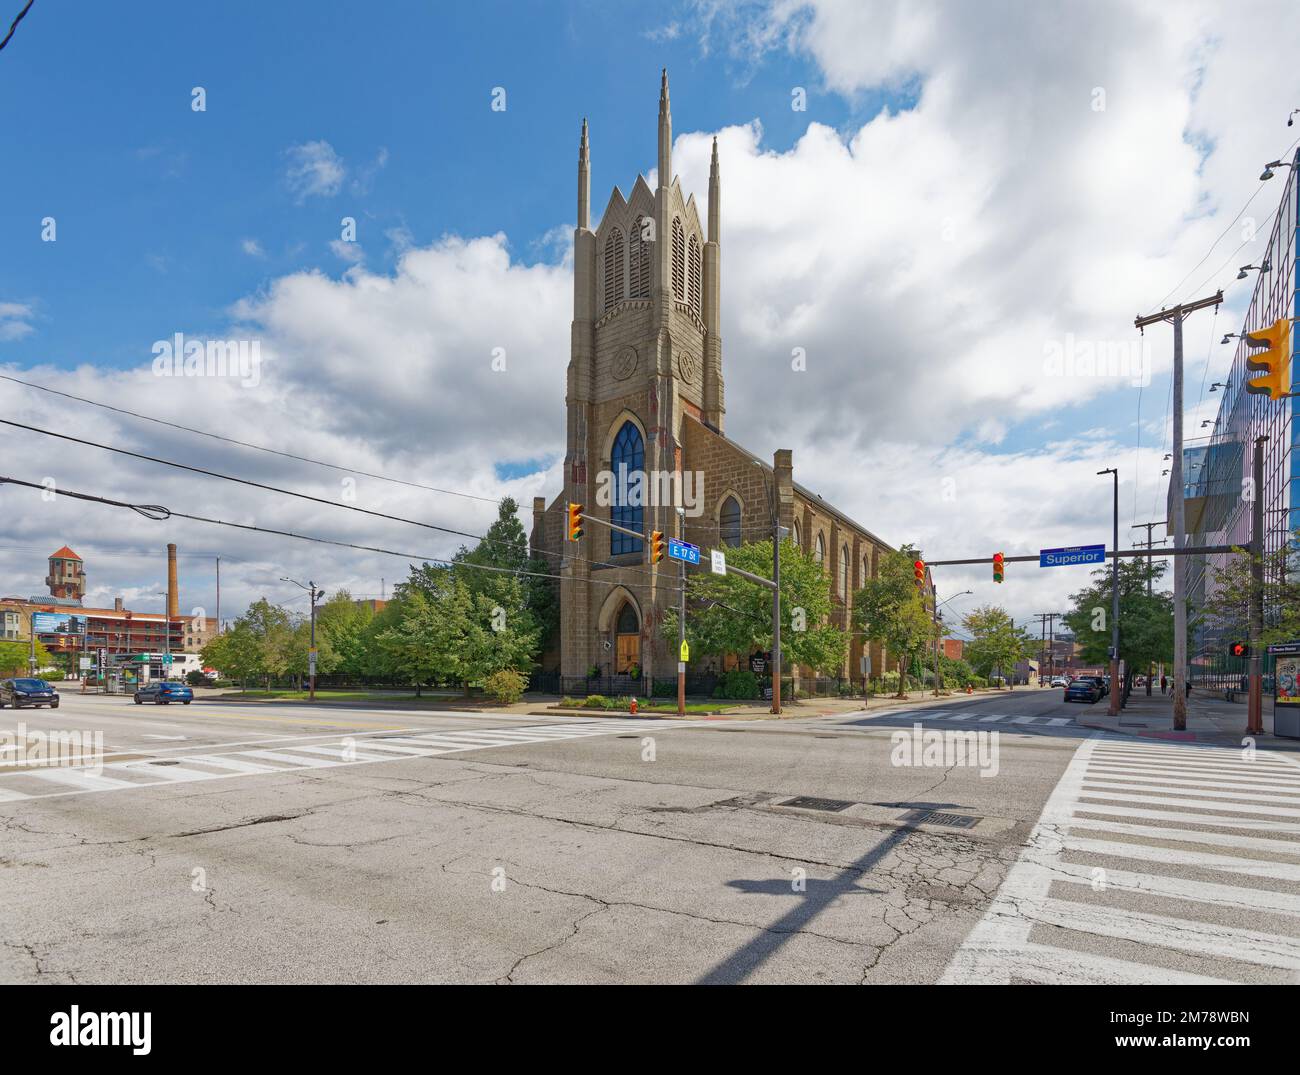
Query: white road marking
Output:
(1059,880)
(324,753)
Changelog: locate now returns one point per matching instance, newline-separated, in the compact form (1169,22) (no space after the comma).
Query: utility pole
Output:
(776,612)
(1151,667)
(1255,706)
(218,595)
(311,657)
(1175,315)
(934,601)
(1113,703)
(681,638)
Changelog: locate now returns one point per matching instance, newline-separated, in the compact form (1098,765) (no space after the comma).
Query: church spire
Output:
(584,179)
(665,133)
(715,197)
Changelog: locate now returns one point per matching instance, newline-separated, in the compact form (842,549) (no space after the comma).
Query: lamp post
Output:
(776,592)
(934,590)
(1113,707)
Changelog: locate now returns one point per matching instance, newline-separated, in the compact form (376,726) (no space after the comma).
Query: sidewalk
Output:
(1210,720)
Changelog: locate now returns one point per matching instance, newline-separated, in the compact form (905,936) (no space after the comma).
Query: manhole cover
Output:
(938,817)
(811,802)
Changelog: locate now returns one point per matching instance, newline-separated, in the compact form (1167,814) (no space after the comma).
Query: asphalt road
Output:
(222,842)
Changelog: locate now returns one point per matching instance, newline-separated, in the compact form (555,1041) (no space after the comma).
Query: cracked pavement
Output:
(565,861)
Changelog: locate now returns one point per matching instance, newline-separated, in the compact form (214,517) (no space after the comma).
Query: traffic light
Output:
(1239,649)
(918,571)
(575,521)
(656,546)
(1275,361)
(997,567)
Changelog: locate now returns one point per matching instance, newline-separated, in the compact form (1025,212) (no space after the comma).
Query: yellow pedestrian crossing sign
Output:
(685,655)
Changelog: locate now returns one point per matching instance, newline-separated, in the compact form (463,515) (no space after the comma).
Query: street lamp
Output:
(311,656)
(938,642)
(1114,600)
(1268,168)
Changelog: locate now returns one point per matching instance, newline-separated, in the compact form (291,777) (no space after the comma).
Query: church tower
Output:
(645,352)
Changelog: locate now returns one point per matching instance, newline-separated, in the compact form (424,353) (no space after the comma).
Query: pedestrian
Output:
(1164,682)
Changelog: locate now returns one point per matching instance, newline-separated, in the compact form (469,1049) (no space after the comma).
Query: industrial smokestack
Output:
(173,594)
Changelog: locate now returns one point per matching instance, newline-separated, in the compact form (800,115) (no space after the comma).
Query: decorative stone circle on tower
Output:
(625,363)
(686,367)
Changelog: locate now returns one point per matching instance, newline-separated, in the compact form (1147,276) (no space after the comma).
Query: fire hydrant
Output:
(970,689)
(634,707)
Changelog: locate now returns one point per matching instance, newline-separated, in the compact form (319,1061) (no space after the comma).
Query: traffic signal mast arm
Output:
(1123,554)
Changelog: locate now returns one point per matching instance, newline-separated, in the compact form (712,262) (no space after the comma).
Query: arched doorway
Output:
(627,639)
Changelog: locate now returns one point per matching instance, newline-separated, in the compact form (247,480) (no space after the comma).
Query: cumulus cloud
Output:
(314,170)
(15,320)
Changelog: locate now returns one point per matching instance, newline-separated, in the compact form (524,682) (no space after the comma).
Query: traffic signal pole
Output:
(1112,708)
(1255,704)
(681,639)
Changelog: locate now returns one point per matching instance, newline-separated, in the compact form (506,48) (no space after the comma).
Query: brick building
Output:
(645,400)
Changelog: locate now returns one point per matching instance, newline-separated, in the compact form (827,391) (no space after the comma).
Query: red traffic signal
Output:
(918,572)
(998,567)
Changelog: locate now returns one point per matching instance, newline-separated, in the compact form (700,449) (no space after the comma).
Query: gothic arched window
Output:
(679,261)
(819,553)
(638,274)
(798,535)
(693,264)
(844,573)
(613,269)
(627,459)
(729,523)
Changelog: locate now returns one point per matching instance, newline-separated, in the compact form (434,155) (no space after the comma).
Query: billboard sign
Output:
(58,623)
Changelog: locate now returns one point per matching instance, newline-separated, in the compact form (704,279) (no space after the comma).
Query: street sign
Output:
(311,663)
(719,561)
(167,659)
(86,663)
(1284,647)
(683,550)
(1074,554)
(685,654)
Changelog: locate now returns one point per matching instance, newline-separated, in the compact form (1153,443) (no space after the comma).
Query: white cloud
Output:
(314,170)
(252,248)
(15,320)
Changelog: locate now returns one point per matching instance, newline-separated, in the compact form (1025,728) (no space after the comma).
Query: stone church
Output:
(646,434)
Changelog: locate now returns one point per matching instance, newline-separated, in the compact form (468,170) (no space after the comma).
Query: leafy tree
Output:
(996,641)
(236,653)
(1146,623)
(889,609)
(14,655)
(1228,606)
(727,614)
(342,635)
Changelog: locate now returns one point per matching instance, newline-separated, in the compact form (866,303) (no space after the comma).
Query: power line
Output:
(245,443)
(147,508)
(14,25)
(161,514)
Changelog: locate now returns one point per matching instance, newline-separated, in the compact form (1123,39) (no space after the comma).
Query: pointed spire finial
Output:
(584,178)
(665,133)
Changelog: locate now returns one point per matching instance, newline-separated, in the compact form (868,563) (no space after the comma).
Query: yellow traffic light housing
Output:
(575,521)
(918,572)
(656,546)
(1275,360)
(998,566)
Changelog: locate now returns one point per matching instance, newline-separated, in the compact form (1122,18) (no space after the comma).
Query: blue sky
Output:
(152,200)
(925,355)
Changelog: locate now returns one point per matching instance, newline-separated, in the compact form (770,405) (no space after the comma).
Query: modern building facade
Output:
(645,434)
(1218,478)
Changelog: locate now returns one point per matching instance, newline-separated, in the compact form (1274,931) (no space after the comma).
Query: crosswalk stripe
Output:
(1198,759)
(342,753)
(1184,935)
(1166,776)
(1172,856)
(1204,793)
(1221,807)
(80,779)
(1057,722)
(232,763)
(1177,818)
(1189,836)
(992,718)
(175,774)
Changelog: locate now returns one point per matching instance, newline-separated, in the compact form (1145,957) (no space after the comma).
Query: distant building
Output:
(67,578)
(953,648)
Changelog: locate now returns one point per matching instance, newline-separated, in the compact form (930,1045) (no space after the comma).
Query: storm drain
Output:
(168,761)
(811,802)
(937,817)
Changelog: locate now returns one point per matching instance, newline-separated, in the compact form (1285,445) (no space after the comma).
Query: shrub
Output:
(506,686)
(595,701)
(738,683)
(195,678)
(663,689)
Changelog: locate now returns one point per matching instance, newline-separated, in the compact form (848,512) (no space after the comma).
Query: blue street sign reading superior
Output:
(683,550)
(1075,554)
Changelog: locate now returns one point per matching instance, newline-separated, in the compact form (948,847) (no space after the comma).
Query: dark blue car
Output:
(33,692)
(1082,690)
(162,691)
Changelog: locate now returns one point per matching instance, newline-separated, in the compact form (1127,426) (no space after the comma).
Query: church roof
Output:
(64,553)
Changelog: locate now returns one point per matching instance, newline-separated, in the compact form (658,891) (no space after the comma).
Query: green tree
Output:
(236,653)
(342,631)
(727,614)
(996,642)
(1228,606)
(1146,623)
(14,655)
(889,609)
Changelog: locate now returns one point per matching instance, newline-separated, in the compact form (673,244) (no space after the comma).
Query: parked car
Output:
(1060,681)
(163,691)
(33,692)
(1098,681)
(1083,689)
